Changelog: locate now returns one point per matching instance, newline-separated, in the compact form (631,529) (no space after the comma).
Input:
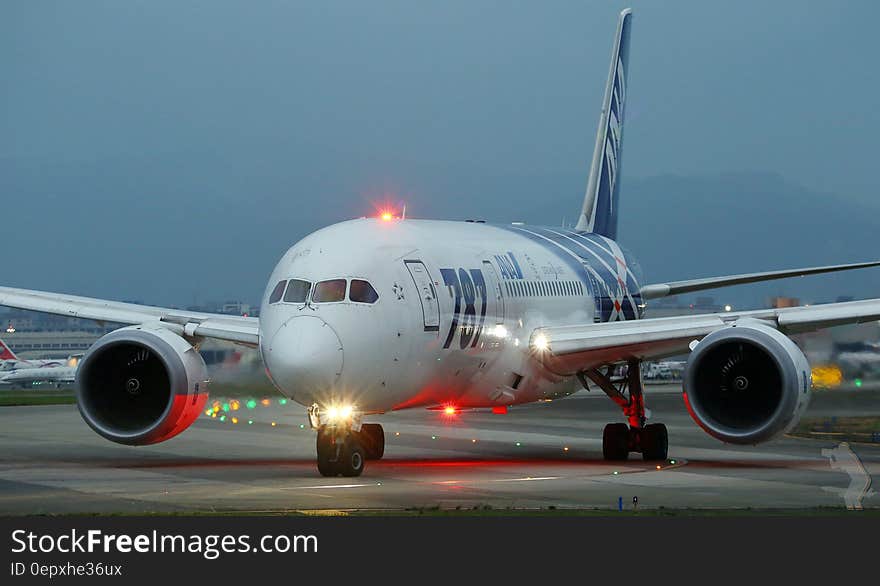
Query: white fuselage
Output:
(433,337)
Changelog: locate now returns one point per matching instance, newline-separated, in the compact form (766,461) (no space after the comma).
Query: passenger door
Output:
(427,294)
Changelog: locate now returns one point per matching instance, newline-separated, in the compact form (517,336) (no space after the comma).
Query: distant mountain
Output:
(683,227)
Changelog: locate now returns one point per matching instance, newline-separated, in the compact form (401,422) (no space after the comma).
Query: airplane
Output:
(377,314)
(9,361)
(58,376)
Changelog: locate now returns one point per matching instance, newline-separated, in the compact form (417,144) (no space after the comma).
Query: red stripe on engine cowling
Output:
(184,411)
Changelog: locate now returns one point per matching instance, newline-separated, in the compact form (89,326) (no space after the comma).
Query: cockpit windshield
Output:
(297,291)
(329,291)
(362,292)
(277,292)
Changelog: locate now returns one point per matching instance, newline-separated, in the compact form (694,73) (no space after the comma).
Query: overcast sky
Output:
(170,151)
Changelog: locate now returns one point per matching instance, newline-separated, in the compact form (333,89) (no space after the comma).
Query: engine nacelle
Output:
(141,385)
(747,383)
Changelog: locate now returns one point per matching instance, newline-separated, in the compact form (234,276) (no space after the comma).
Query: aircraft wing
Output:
(232,328)
(657,290)
(568,349)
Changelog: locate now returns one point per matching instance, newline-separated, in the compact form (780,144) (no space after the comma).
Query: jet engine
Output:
(141,385)
(746,383)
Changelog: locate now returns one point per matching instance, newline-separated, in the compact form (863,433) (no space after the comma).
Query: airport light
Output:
(858,382)
(728,308)
(10,329)
(449,410)
(250,404)
(387,216)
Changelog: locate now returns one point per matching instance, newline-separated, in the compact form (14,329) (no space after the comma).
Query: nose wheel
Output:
(339,452)
(345,451)
(619,439)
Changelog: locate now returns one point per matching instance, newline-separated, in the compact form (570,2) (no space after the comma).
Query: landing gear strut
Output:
(619,439)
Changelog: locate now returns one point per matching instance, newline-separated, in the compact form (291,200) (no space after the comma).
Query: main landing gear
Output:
(619,439)
(343,450)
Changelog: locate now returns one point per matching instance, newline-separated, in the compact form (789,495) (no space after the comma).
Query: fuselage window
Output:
(362,292)
(277,292)
(329,291)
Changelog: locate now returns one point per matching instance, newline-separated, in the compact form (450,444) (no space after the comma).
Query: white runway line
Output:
(330,486)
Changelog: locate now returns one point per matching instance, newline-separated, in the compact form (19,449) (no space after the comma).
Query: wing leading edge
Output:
(578,347)
(231,328)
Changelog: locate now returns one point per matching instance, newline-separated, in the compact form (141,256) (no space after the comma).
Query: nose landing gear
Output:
(339,452)
(619,439)
(344,446)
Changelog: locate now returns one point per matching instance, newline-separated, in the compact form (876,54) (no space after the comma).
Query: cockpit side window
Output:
(277,292)
(297,291)
(362,292)
(329,291)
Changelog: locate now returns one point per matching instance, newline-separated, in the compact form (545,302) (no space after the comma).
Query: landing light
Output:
(541,343)
(387,216)
(449,410)
(339,412)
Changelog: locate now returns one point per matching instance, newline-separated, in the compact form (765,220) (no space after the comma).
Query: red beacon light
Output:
(388,214)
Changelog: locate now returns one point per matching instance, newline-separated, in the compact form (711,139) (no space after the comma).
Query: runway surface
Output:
(51,462)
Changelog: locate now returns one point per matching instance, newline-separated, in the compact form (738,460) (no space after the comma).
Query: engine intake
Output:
(140,385)
(747,383)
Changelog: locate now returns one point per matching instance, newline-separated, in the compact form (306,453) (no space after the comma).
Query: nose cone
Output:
(304,357)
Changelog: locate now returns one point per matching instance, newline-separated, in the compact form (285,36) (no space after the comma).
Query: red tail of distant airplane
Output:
(6,353)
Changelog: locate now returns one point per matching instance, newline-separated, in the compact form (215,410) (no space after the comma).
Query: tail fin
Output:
(599,213)
(6,353)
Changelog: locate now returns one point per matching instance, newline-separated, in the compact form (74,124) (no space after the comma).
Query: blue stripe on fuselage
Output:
(586,254)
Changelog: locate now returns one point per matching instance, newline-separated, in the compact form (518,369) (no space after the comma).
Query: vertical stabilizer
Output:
(6,353)
(599,212)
